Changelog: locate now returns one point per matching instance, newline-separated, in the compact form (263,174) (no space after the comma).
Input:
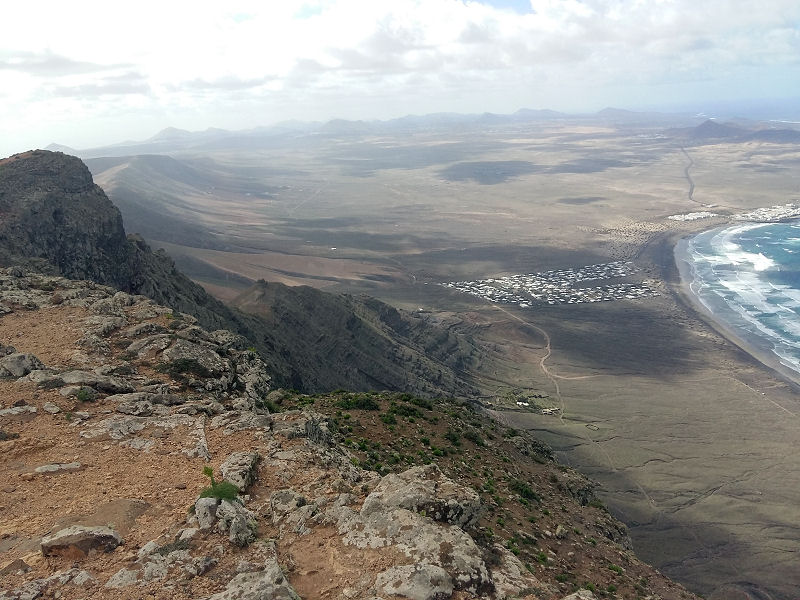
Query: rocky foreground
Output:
(145,457)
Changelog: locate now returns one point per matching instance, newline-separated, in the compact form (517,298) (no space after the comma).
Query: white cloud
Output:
(306,58)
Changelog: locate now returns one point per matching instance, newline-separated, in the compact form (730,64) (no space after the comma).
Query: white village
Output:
(559,286)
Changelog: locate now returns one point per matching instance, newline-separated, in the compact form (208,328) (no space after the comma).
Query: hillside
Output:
(57,221)
(112,406)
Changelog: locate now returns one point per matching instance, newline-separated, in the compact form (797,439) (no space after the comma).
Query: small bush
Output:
(473,437)
(359,402)
(4,435)
(452,437)
(223,490)
(523,489)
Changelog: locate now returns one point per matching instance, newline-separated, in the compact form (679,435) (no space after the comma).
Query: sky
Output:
(89,73)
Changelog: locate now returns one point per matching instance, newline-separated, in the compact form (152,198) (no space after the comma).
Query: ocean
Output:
(748,277)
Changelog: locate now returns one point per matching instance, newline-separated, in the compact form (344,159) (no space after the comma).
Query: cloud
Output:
(116,85)
(48,64)
(319,59)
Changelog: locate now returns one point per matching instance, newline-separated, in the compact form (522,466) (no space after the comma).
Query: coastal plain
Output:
(691,438)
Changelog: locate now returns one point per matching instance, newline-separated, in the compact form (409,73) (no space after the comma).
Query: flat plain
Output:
(692,440)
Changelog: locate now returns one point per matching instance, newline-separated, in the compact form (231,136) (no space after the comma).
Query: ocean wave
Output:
(736,274)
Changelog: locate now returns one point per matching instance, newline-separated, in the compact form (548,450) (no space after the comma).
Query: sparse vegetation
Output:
(4,435)
(223,490)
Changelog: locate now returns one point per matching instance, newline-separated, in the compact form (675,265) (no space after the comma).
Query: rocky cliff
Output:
(54,219)
(147,457)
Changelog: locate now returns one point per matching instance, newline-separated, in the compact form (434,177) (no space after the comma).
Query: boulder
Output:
(81,540)
(240,469)
(239,522)
(205,509)
(186,353)
(426,490)
(103,383)
(418,582)
(267,583)
(18,364)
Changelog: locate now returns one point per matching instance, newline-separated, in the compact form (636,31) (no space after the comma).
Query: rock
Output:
(147,549)
(234,421)
(561,532)
(184,353)
(103,325)
(317,430)
(227,339)
(39,587)
(425,489)
(58,467)
(239,522)
(147,328)
(80,539)
(80,392)
(15,566)
(420,539)
(103,383)
(201,565)
(51,408)
(205,509)
(153,343)
(6,350)
(511,578)
(267,583)
(580,595)
(418,582)
(17,410)
(19,364)
(240,469)
(122,579)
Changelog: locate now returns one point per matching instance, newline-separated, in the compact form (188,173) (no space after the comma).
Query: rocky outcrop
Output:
(80,540)
(268,582)
(425,490)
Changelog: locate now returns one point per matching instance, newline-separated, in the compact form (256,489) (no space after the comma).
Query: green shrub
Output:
(222,490)
(473,437)
(524,490)
(452,437)
(4,435)
(358,402)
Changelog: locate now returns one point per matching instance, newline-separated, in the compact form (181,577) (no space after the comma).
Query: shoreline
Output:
(682,288)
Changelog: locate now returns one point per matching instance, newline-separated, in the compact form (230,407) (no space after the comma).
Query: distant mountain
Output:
(171,133)
(61,148)
(713,131)
(171,140)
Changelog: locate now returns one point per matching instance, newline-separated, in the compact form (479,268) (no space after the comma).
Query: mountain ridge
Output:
(59,222)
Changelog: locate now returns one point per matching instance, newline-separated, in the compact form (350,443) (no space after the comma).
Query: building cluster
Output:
(770,213)
(558,287)
(693,216)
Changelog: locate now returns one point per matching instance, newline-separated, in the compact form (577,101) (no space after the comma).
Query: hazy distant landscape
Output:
(642,393)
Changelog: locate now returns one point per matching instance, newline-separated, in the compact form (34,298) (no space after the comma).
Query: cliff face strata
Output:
(55,220)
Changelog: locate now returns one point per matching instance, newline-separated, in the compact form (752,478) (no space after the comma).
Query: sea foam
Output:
(748,277)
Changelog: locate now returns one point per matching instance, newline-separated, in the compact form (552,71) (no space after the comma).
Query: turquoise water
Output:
(748,277)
